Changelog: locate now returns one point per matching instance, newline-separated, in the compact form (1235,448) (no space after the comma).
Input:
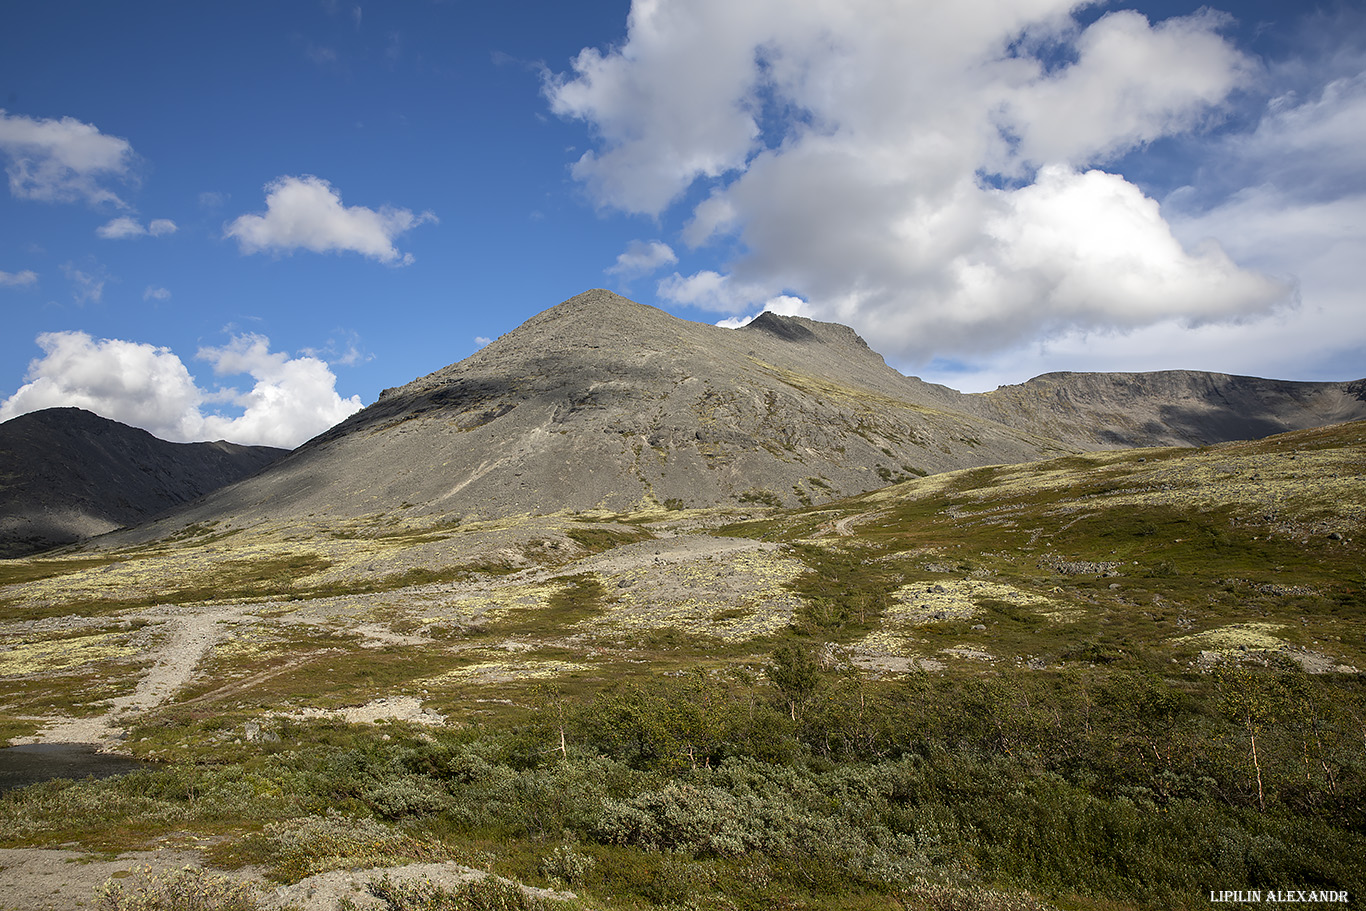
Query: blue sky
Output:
(244,220)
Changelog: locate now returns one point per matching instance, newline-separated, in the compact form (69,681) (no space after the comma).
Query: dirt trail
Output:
(48,879)
(844,527)
(188,639)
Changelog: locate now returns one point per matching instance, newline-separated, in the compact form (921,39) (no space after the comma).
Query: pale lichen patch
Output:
(733,597)
(927,602)
(486,604)
(504,669)
(62,654)
(1252,636)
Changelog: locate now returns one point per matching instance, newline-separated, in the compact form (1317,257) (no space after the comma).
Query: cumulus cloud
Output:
(642,258)
(125,226)
(1294,204)
(1132,82)
(154,293)
(62,160)
(933,174)
(17,279)
(291,399)
(307,213)
(710,290)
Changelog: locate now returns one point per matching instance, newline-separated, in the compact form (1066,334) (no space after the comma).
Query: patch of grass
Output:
(483,894)
(761,497)
(31,569)
(843,592)
(578,597)
(597,539)
(304,846)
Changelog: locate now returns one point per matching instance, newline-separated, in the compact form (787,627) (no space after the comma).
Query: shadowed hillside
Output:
(67,474)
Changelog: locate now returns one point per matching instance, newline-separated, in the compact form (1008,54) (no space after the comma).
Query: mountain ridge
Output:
(604,404)
(68,474)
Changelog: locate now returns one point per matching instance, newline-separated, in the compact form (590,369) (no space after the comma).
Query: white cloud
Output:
(1300,213)
(155,293)
(1133,82)
(925,172)
(710,290)
(292,399)
(307,212)
(62,160)
(121,227)
(87,287)
(480,341)
(666,112)
(642,258)
(125,226)
(17,279)
(134,383)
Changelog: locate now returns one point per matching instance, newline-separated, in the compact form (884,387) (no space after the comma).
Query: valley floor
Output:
(1143,665)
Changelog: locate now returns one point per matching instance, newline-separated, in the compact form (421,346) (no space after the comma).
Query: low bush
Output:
(316,844)
(484,894)
(186,889)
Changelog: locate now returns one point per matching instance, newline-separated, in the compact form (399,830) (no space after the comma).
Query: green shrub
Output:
(314,844)
(567,864)
(925,896)
(484,894)
(186,889)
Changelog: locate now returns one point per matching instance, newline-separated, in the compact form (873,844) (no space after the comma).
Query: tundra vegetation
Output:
(1111,681)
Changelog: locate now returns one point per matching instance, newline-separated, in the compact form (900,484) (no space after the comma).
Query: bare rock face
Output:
(1169,407)
(67,474)
(603,403)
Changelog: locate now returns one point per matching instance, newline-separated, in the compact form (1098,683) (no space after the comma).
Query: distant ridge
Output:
(1170,407)
(601,403)
(67,474)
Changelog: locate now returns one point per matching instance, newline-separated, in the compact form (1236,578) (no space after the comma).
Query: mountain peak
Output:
(602,403)
(800,329)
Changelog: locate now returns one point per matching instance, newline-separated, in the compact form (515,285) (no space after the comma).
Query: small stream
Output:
(29,764)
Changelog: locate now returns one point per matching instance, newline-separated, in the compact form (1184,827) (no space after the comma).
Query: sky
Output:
(244,220)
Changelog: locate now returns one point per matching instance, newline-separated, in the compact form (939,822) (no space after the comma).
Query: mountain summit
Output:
(601,403)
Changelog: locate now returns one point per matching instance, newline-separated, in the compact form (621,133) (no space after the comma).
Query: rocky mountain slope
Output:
(67,474)
(601,403)
(1167,408)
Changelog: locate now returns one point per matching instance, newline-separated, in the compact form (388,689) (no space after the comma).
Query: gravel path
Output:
(189,634)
